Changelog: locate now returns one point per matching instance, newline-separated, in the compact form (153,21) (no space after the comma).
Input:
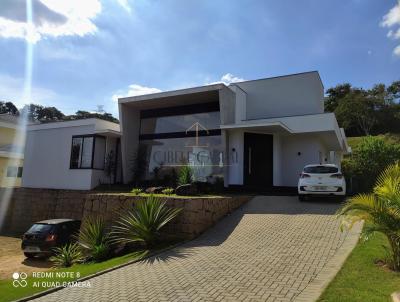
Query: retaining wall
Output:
(30,205)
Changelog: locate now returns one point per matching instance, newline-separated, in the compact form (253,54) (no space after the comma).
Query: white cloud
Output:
(396,51)
(12,89)
(134,90)
(227,79)
(392,19)
(51,18)
(125,5)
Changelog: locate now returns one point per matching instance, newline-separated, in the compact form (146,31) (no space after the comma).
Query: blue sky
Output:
(87,53)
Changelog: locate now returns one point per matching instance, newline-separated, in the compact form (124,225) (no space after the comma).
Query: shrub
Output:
(371,156)
(144,222)
(136,191)
(168,191)
(380,210)
(185,175)
(94,239)
(67,255)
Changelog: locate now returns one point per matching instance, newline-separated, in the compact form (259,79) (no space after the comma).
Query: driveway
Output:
(12,259)
(272,249)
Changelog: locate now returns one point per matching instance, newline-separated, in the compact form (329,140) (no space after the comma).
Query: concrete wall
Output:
(30,205)
(292,164)
(130,124)
(287,164)
(9,181)
(284,96)
(47,160)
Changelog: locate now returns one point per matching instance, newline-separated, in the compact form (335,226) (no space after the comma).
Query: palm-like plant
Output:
(144,222)
(67,255)
(94,239)
(380,210)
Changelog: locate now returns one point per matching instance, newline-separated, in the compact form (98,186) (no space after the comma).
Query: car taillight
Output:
(51,237)
(337,175)
(304,175)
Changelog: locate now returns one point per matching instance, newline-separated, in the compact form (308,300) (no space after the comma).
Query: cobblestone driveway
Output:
(269,250)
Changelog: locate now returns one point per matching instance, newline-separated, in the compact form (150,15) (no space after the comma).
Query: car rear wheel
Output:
(29,255)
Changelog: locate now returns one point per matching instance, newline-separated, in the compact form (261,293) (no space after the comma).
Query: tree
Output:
(335,94)
(8,107)
(356,111)
(380,210)
(43,114)
(363,112)
(81,114)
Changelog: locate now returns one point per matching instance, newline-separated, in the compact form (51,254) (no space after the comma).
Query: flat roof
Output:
(100,125)
(172,93)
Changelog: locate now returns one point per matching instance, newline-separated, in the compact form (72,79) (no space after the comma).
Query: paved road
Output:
(269,250)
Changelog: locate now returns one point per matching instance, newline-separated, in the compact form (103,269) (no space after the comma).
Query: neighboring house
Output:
(79,154)
(11,151)
(259,133)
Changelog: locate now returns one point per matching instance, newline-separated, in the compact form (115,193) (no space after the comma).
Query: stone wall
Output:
(31,205)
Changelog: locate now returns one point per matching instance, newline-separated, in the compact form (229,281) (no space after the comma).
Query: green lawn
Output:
(362,280)
(390,137)
(9,293)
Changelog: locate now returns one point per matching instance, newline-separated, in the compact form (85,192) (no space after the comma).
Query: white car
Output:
(325,179)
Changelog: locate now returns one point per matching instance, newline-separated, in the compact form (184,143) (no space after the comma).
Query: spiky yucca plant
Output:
(94,239)
(144,222)
(185,175)
(380,210)
(67,255)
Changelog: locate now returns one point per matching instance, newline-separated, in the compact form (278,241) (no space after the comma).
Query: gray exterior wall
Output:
(284,96)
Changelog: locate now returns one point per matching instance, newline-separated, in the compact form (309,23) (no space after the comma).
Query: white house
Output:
(258,134)
(71,154)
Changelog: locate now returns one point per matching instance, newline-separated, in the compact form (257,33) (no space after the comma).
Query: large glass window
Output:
(87,152)
(179,123)
(185,135)
(206,156)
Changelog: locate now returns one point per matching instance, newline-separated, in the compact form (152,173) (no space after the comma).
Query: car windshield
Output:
(40,228)
(321,169)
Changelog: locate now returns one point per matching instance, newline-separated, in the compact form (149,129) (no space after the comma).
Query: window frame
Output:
(83,136)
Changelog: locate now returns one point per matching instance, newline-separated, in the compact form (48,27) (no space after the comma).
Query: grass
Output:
(10,293)
(390,137)
(360,279)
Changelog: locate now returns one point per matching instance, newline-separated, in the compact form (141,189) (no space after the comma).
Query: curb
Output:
(55,289)
(317,286)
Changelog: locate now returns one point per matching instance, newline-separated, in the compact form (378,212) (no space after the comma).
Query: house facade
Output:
(78,154)
(257,134)
(11,151)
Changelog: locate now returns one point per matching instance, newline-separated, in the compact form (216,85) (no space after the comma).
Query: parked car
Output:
(321,180)
(45,235)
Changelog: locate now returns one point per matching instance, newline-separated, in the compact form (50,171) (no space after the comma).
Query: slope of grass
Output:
(390,137)
(360,279)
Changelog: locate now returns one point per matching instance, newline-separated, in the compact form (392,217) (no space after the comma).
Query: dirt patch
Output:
(12,259)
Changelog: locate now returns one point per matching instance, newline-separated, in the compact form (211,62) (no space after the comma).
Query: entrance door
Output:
(258,160)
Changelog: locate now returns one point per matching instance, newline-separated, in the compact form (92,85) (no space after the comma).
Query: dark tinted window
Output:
(321,169)
(41,228)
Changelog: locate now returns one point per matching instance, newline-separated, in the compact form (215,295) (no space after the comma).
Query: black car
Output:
(44,235)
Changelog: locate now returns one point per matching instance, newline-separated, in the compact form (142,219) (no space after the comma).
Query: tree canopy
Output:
(365,112)
(8,107)
(45,114)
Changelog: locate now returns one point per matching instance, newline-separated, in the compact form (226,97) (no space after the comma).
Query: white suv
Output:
(321,180)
